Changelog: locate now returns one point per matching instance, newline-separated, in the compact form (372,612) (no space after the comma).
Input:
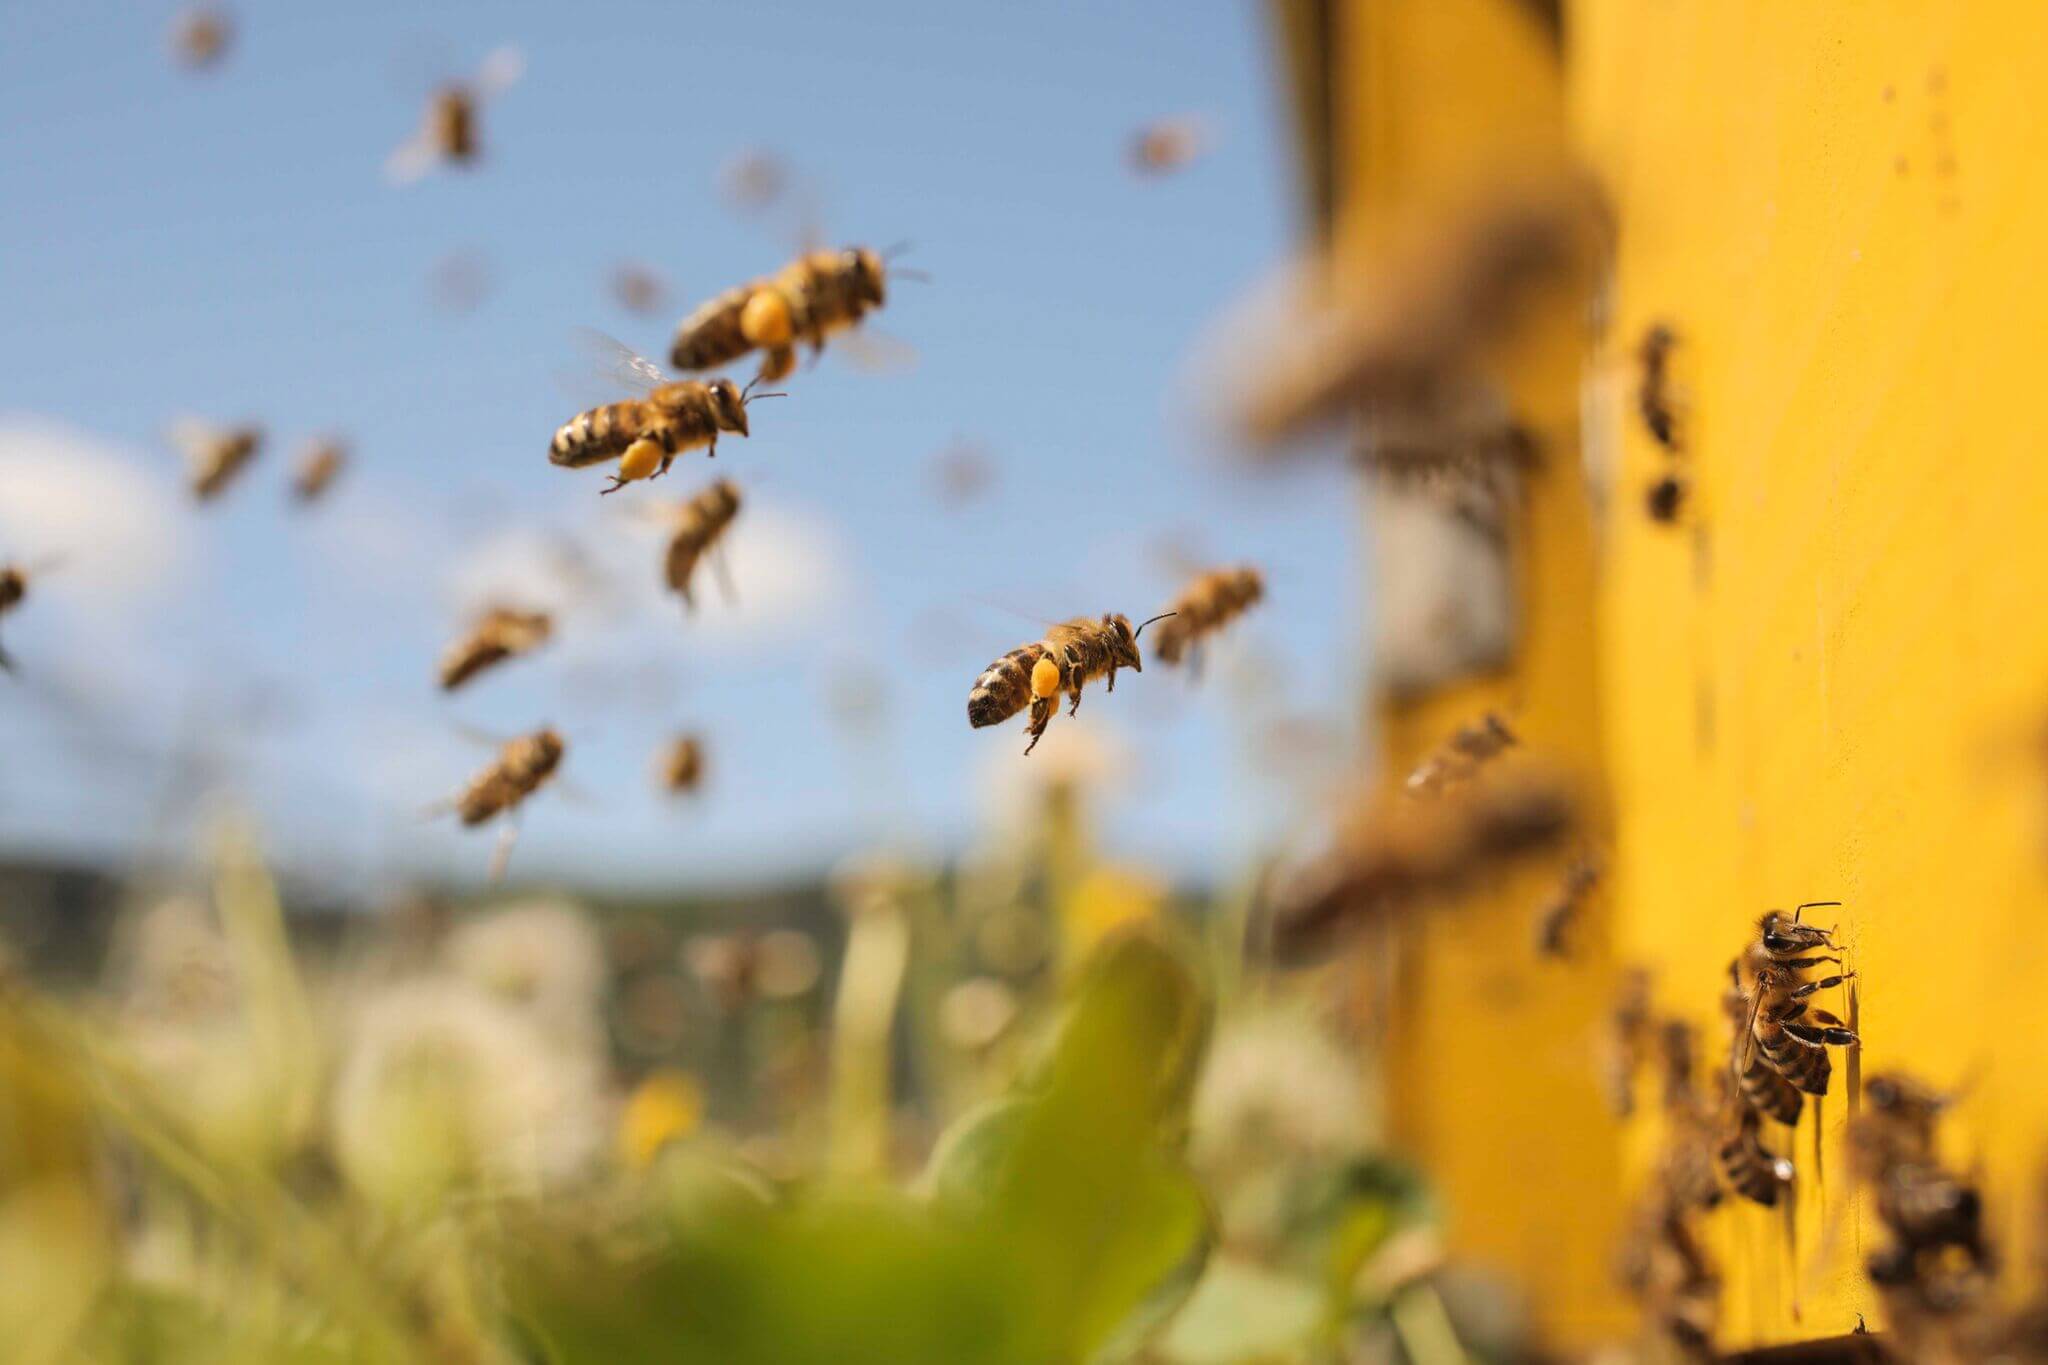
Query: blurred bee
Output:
(1206,605)
(646,434)
(961,473)
(1791,1036)
(638,288)
(14,583)
(1665,499)
(1748,1166)
(819,293)
(681,765)
(1468,749)
(214,455)
(1072,653)
(448,134)
(700,527)
(753,179)
(317,468)
(1662,1262)
(1166,145)
(1653,387)
(200,36)
(1762,1088)
(501,633)
(1393,856)
(460,281)
(1554,923)
(522,765)
(1628,1040)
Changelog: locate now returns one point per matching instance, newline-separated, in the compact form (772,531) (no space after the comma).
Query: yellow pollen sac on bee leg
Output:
(765,321)
(641,460)
(1045,678)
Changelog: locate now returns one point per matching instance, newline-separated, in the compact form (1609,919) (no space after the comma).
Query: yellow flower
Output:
(664,1108)
(1107,898)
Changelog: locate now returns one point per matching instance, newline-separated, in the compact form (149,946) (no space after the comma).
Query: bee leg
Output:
(1112,681)
(721,566)
(1804,962)
(1075,696)
(1823,984)
(502,854)
(1814,1036)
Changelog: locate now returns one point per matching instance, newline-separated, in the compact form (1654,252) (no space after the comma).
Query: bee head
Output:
(1123,642)
(1251,584)
(869,275)
(724,496)
(1784,937)
(728,406)
(539,752)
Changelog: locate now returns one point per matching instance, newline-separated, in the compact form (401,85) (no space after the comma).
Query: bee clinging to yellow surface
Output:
(501,633)
(700,526)
(819,293)
(681,765)
(1206,605)
(1034,675)
(1792,1036)
(646,434)
(321,461)
(448,136)
(1761,1087)
(522,765)
(214,455)
(1653,387)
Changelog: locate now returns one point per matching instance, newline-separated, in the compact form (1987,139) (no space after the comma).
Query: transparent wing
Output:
(877,352)
(410,161)
(500,71)
(193,437)
(617,364)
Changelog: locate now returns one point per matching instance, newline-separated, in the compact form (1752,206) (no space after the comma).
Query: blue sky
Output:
(222,244)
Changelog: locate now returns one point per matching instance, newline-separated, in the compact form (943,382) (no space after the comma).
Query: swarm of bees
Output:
(448,134)
(1212,601)
(214,455)
(819,293)
(680,766)
(499,634)
(1071,654)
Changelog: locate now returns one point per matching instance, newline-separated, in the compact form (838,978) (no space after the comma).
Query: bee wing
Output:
(878,352)
(617,364)
(410,160)
(500,71)
(193,437)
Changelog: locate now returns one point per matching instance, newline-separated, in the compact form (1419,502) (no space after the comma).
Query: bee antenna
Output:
(1148,621)
(747,394)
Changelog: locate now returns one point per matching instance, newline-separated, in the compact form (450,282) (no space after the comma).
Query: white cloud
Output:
(113,519)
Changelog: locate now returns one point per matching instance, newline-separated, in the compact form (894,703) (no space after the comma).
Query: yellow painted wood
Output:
(1824,686)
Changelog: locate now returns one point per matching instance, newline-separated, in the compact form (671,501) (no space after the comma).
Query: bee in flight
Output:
(1034,675)
(200,36)
(1206,605)
(680,765)
(1792,1036)
(14,581)
(1166,145)
(638,288)
(214,455)
(447,136)
(321,461)
(699,529)
(646,434)
(1561,912)
(501,633)
(1469,748)
(522,765)
(819,293)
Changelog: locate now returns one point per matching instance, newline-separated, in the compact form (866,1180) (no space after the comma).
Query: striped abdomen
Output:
(711,335)
(1004,687)
(598,435)
(1749,1169)
(1805,1067)
(1769,1093)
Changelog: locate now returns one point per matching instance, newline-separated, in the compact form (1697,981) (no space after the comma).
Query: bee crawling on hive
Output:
(1072,653)
(1792,1036)
(819,293)
(1561,912)
(1205,606)
(522,766)
(499,634)
(646,434)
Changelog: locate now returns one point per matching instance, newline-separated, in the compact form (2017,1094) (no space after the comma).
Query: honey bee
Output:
(1792,1036)
(1653,387)
(200,36)
(1072,653)
(681,765)
(638,288)
(214,455)
(700,526)
(1206,605)
(1554,923)
(819,293)
(501,633)
(522,765)
(1628,1040)
(1166,145)
(753,179)
(1747,1165)
(14,583)
(646,434)
(1665,499)
(1762,1088)
(322,460)
(448,134)
(1468,749)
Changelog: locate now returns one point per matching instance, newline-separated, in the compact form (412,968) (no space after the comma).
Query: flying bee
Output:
(448,133)
(1071,654)
(1469,748)
(646,434)
(214,455)
(1762,1088)
(753,179)
(321,461)
(522,765)
(681,765)
(699,529)
(1748,1166)
(819,293)
(501,633)
(1206,605)
(1792,1036)
(1561,912)
(1653,387)
(14,584)
(200,36)
(1166,145)
(638,288)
